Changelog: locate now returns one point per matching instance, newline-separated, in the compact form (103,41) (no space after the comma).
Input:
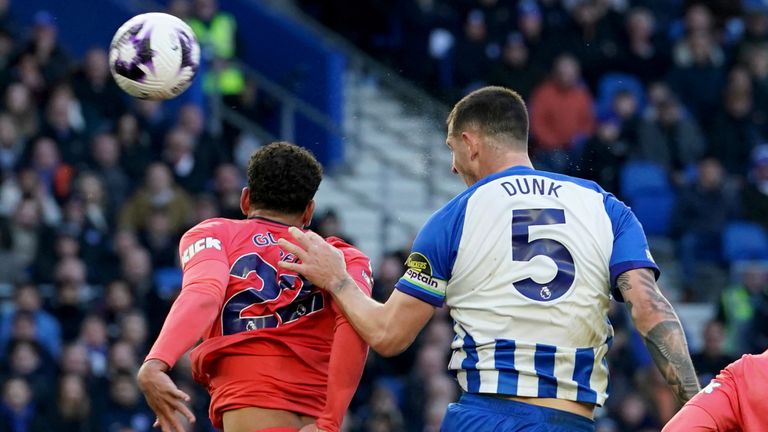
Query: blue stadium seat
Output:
(167,281)
(654,211)
(612,84)
(745,241)
(641,177)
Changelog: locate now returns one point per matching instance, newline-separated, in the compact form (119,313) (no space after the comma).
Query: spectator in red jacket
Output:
(561,111)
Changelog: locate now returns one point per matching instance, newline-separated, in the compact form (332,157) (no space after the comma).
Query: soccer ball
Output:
(154,56)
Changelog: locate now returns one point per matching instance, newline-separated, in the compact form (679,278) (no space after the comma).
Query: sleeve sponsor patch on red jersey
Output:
(199,245)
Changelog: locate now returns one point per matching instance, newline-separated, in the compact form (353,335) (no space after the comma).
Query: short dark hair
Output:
(494,111)
(283,177)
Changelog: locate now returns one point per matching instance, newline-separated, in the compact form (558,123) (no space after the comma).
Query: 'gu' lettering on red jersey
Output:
(270,338)
(734,401)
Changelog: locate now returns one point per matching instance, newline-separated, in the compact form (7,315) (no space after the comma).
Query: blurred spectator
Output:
(93,336)
(561,113)
(470,55)
(634,415)
(423,20)
(101,98)
(208,152)
(159,239)
(514,70)
(755,27)
(757,336)
(737,304)
(18,411)
(135,146)
(105,154)
(54,62)
(7,53)
(430,365)
(11,267)
(55,174)
(206,208)
(604,154)
(734,132)
(64,123)
(382,413)
(328,224)
(703,209)
(711,359)
(118,301)
(12,146)
(71,296)
(189,171)
(530,22)
(499,16)
(669,138)
(27,71)
(216,32)
(755,195)
(73,406)
(698,65)
(180,8)
(26,359)
(151,119)
(74,361)
(592,39)
(20,106)
(126,409)
(27,300)
(28,185)
(391,267)
(122,358)
(29,236)
(228,185)
(6,20)
(133,330)
(645,54)
(159,192)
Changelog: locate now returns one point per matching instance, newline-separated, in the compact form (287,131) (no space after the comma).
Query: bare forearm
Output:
(662,333)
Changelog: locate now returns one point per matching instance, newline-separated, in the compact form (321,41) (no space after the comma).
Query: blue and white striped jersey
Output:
(526,261)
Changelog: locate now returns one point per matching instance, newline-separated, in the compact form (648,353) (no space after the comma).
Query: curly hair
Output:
(283,177)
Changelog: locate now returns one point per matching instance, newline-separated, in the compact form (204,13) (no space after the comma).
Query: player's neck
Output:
(294,220)
(503,161)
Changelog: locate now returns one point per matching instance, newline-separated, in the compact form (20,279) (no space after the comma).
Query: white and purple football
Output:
(154,56)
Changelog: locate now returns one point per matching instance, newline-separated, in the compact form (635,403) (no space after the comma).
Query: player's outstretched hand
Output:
(321,263)
(163,396)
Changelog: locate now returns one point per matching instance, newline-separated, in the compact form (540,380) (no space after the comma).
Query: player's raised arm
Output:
(205,278)
(660,327)
(388,328)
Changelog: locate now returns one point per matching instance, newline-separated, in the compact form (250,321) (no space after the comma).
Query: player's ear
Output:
(245,201)
(306,218)
(472,142)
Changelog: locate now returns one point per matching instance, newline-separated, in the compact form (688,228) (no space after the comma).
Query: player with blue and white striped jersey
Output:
(527,262)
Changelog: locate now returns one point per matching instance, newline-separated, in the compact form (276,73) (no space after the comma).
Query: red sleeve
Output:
(715,408)
(206,274)
(348,351)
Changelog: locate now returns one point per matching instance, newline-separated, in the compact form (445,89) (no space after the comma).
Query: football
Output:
(154,56)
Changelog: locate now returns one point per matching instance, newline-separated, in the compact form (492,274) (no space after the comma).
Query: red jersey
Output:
(733,401)
(269,343)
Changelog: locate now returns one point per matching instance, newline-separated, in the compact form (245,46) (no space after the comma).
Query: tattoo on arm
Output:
(336,289)
(665,339)
(666,343)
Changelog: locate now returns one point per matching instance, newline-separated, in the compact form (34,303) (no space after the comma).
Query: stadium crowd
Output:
(96,190)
